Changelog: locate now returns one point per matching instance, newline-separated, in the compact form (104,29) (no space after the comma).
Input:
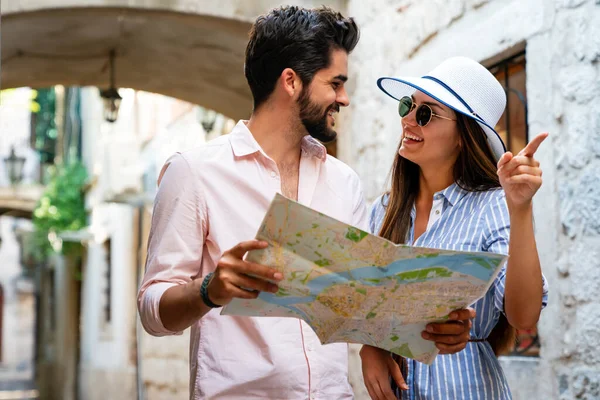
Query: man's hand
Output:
(377,367)
(232,277)
(451,336)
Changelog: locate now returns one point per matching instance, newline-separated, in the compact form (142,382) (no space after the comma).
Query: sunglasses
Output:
(423,113)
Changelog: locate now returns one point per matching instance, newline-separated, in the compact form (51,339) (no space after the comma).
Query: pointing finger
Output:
(532,146)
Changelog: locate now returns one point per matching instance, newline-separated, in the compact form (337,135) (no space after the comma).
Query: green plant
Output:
(61,208)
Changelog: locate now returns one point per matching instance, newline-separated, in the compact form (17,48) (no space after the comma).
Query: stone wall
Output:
(562,42)
(574,333)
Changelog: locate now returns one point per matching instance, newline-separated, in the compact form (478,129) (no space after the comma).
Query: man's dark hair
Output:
(297,38)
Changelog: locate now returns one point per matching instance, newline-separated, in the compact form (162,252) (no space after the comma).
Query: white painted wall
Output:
(107,349)
(19,311)
(150,128)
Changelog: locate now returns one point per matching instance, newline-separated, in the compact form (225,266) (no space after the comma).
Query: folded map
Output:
(351,286)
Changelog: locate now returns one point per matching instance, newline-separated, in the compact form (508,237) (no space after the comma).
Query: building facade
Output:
(560,43)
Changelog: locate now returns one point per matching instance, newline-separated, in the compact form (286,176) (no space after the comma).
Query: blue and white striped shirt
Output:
(469,221)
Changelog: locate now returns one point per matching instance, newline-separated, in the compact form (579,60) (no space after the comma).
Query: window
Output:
(56,126)
(513,129)
(512,126)
(72,134)
(107,310)
(44,132)
(51,293)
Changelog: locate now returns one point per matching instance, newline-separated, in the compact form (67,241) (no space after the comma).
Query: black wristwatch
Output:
(204,292)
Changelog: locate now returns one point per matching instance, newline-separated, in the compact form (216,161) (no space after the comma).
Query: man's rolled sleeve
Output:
(175,242)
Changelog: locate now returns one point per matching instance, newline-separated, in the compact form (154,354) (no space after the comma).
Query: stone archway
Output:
(180,48)
(191,57)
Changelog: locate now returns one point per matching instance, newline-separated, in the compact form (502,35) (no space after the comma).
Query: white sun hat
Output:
(463,85)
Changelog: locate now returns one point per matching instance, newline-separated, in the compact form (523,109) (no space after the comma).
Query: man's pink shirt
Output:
(210,199)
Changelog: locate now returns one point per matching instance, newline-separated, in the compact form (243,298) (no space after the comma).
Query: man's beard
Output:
(314,118)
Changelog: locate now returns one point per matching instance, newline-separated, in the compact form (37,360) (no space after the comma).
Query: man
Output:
(211,201)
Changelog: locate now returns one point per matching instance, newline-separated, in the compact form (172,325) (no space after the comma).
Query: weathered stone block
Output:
(579,82)
(578,149)
(594,133)
(584,269)
(580,383)
(587,333)
(422,23)
(569,3)
(568,347)
(475,3)
(575,37)
(586,383)
(569,216)
(589,200)
(580,203)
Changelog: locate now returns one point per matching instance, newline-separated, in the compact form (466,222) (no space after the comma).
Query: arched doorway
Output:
(193,57)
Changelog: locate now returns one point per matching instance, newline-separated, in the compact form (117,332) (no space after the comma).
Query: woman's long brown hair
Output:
(474,170)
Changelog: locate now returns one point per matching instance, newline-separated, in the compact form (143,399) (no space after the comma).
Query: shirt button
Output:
(437,212)
(273,174)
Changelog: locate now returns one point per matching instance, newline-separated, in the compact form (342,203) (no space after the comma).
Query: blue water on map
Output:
(462,263)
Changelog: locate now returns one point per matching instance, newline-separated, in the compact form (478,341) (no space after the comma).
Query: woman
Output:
(455,187)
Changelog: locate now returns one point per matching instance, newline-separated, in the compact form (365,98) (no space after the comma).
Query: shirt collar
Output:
(453,193)
(243,143)
(314,148)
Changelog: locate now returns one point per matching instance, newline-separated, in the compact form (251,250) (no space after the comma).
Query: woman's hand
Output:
(453,335)
(377,367)
(520,175)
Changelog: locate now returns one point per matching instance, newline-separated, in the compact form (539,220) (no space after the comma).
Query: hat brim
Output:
(397,88)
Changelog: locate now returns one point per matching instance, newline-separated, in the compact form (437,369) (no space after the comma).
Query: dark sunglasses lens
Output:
(423,115)
(404,106)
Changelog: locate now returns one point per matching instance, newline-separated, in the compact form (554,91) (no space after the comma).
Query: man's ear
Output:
(291,82)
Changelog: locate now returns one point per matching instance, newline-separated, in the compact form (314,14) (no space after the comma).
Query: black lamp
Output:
(111,97)
(14,167)
(209,117)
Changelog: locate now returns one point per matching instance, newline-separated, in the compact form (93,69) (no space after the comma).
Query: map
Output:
(354,287)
